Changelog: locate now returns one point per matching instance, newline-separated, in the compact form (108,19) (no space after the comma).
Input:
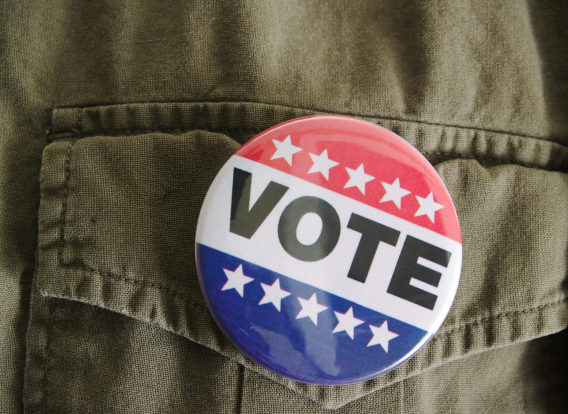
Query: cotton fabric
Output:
(116,116)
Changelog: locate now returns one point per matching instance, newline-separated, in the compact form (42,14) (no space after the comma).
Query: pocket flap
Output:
(117,223)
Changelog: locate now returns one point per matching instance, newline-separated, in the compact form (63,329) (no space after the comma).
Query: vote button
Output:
(328,250)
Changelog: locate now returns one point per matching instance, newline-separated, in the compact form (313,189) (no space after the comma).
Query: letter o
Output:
(288,224)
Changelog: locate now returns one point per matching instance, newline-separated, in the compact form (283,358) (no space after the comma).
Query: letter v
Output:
(245,222)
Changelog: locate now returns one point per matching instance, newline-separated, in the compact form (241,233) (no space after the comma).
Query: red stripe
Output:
(351,142)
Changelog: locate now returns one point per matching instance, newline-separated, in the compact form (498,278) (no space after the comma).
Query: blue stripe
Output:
(296,348)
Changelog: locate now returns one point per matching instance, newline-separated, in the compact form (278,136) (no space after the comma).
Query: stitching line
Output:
(490,158)
(175,294)
(321,111)
(158,286)
(500,315)
(63,219)
(49,327)
(172,293)
(47,352)
(80,134)
(129,132)
(452,154)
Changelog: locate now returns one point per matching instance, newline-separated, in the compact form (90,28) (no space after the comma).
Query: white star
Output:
(322,164)
(236,280)
(358,178)
(394,193)
(347,322)
(381,336)
(428,207)
(311,308)
(273,294)
(285,149)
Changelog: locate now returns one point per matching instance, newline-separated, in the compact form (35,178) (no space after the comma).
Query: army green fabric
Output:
(116,115)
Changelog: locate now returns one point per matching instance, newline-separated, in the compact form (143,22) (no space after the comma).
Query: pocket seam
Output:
(307,111)
(453,155)
(172,293)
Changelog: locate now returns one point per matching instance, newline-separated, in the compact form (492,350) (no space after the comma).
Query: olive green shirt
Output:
(116,115)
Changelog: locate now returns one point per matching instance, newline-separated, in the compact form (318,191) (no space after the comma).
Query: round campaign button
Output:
(328,250)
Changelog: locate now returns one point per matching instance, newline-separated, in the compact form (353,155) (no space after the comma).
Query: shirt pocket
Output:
(122,187)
